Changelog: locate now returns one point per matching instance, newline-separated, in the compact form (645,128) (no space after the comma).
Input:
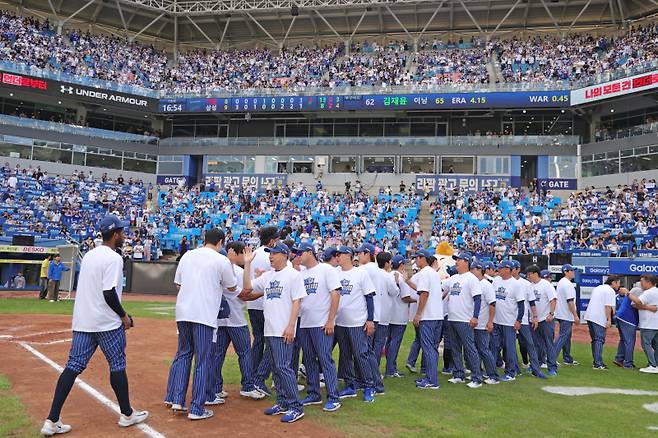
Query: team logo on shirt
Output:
(311,285)
(274,290)
(345,287)
(501,293)
(456,289)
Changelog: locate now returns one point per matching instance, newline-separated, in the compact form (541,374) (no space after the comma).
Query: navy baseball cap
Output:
(505,264)
(398,260)
(111,223)
(490,265)
(223,252)
(329,253)
(463,256)
(366,247)
(545,273)
(515,264)
(522,275)
(423,253)
(478,265)
(568,267)
(451,270)
(344,250)
(279,248)
(303,247)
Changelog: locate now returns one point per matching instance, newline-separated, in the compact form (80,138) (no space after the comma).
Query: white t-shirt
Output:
(407,291)
(602,296)
(400,309)
(461,289)
(488,297)
(236,318)
(648,319)
(355,284)
(526,288)
(202,273)
(101,269)
(319,282)
(138,252)
(428,280)
(544,292)
(386,291)
(261,262)
(565,291)
(280,289)
(508,294)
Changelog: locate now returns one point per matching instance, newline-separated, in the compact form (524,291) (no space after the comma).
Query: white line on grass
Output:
(148,430)
(586,390)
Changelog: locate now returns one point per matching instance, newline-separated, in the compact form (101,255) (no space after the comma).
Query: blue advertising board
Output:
(647,253)
(433,101)
(172,180)
(471,183)
(633,267)
(258,180)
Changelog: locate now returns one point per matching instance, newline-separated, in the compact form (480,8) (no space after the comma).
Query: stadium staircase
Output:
(425,219)
(493,68)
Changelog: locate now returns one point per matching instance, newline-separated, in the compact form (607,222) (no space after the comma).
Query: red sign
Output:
(25,82)
(615,88)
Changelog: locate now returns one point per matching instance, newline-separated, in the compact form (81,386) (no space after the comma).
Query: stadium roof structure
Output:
(243,23)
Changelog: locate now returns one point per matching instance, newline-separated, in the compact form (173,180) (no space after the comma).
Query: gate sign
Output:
(171,180)
(261,181)
(634,267)
(558,183)
(471,183)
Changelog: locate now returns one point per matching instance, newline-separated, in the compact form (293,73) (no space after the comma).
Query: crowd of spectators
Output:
(575,57)
(26,40)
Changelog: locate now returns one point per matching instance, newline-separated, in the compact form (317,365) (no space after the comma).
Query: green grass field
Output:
(13,420)
(508,409)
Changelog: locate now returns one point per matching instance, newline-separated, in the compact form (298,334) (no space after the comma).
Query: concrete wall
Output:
(617,178)
(67,169)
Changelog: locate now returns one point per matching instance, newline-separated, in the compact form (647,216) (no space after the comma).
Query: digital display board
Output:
(379,102)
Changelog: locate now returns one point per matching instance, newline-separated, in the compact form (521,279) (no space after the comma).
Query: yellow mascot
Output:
(444,258)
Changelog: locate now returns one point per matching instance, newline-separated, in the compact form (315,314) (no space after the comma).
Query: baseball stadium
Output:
(328,218)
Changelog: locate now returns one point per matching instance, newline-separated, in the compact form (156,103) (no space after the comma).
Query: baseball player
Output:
(647,305)
(510,307)
(317,325)
(428,317)
(283,289)
(232,330)
(566,316)
(201,276)
(627,320)
(269,236)
(529,321)
(354,323)
(484,327)
(599,313)
(384,287)
(399,316)
(545,301)
(464,304)
(98,320)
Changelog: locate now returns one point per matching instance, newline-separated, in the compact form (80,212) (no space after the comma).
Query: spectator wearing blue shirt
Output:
(627,321)
(55,270)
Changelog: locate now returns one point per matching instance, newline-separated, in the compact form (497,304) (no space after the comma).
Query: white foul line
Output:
(59,341)
(148,430)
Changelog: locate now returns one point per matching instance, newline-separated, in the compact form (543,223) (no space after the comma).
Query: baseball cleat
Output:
(649,370)
(222,394)
(275,410)
(508,378)
(263,390)
(575,362)
(474,384)
(396,374)
(347,393)
(410,367)
(254,394)
(543,366)
(49,428)
(551,373)
(300,387)
(292,416)
(312,401)
(490,381)
(331,406)
(369,395)
(600,367)
(426,384)
(207,413)
(178,408)
(456,380)
(136,418)
(215,402)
